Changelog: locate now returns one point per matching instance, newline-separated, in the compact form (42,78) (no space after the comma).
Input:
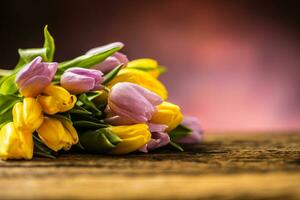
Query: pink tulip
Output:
(80,80)
(159,137)
(129,103)
(196,134)
(112,62)
(35,76)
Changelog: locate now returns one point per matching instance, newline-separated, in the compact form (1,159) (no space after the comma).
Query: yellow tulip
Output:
(56,99)
(133,137)
(140,78)
(57,134)
(168,114)
(27,115)
(15,143)
(145,64)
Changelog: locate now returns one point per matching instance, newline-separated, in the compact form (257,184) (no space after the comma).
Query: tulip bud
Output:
(35,76)
(196,134)
(79,80)
(158,137)
(129,103)
(57,134)
(145,64)
(15,143)
(168,114)
(140,78)
(112,62)
(27,115)
(56,99)
(133,137)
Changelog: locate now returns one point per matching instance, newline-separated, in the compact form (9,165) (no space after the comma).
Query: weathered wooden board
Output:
(225,167)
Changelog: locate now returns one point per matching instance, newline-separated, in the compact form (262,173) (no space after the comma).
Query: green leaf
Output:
(80,110)
(40,149)
(83,99)
(5,118)
(179,132)
(112,74)
(88,124)
(93,95)
(99,141)
(7,102)
(8,85)
(49,44)
(162,69)
(27,55)
(88,60)
(176,146)
(6,105)
(6,72)
(62,116)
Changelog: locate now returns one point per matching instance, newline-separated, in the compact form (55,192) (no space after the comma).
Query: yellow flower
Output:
(15,143)
(27,115)
(57,134)
(168,114)
(145,64)
(140,78)
(56,99)
(133,137)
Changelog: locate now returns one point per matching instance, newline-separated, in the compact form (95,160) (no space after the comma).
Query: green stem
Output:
(5,72)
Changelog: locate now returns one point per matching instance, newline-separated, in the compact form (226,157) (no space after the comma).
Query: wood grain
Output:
(223,167)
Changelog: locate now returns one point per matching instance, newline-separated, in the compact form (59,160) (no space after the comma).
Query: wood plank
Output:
(224,166)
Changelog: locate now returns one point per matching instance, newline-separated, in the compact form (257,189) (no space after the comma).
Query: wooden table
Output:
(224,166)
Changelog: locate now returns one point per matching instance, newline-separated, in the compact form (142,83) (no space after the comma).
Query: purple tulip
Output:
(35,76)
(129,103)
(159,137)
(112,62)
(196,134)
(79,80)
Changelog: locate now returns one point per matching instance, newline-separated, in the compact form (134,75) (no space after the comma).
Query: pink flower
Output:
(129,103)
(80,80)
(35,76)
(196,134)
(159,137)
(112,62)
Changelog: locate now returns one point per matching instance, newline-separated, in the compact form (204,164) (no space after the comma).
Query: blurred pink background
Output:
(233,64)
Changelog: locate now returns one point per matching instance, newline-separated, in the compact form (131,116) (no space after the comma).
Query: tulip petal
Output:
(196,134)
(158,139)
(79,80)
(35,76)
(133,102)
(34,86)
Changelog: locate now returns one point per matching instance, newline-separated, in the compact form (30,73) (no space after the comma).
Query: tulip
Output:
(158,137)
(140,78)
(133,137)
(79,80)
(145,64)
(57,134)
(35,76)
(196,131)
(168,114)
(129,103)
(15,143)
(112,62)
(27,115)
(56,99)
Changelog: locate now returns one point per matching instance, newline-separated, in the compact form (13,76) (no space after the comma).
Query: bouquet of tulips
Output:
(99,102)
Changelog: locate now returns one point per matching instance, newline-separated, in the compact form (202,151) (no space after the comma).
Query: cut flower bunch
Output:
(99,102)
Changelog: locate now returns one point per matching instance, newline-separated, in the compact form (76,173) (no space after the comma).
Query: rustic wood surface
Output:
(223,167)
